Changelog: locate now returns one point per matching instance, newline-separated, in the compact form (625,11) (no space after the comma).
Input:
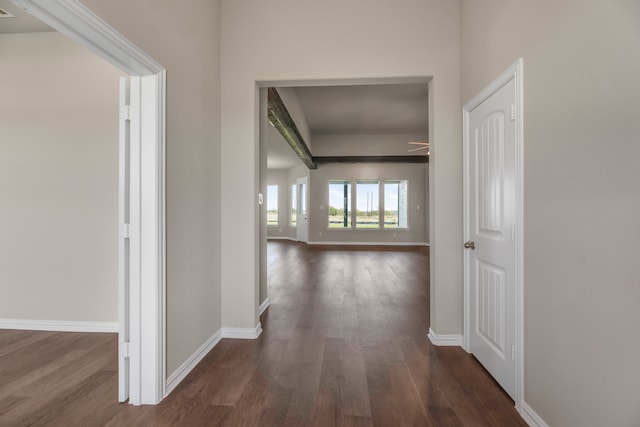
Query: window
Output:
(293,218)
(395,204)
(303,200)
(367,204)
(272,205)
(339,204)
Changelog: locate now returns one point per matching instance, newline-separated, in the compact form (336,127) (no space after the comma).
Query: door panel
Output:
(491,212)
(303,214)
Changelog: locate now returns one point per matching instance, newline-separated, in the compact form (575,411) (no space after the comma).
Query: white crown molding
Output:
(58,325)
(531,417)
(265,304)
(442,340)
(183,370)
(242,333)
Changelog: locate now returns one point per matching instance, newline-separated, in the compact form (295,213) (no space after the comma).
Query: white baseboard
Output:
(370,243)
(58,325)
(281,238)
(242,333)
(444,340)
(265,304)
(183,370)
(531,417)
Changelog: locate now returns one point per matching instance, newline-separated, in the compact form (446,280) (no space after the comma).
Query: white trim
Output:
(242,333)
(531,417)
(514,72)
(187,366)
(147,300)
(442,340)
(73,19)
(370,243)
(58,325)
(265,304)
(292,239)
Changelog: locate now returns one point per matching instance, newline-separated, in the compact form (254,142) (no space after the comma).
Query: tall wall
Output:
(391,40)
(58,181)
(582,195)
(188,46)
(367,145)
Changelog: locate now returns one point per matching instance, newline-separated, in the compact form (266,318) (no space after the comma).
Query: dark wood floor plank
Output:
(344,344)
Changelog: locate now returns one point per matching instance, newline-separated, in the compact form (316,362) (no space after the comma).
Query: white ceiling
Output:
(22,23)
(366,109)
(356,110)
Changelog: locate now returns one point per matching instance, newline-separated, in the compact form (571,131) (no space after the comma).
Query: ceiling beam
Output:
(280,118)
(323,160)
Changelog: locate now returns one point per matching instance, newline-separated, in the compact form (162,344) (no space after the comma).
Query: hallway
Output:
(344,343)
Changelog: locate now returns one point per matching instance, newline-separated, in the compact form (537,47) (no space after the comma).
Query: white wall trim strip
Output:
(371,243)
(442,340)
(265,304)
(242,333)
(58,325)
(183,370)
(531,417)
(282,238)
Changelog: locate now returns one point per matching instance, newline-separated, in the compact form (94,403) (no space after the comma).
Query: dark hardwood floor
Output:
(344,343)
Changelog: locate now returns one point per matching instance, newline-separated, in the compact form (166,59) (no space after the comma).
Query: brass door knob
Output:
(470,244)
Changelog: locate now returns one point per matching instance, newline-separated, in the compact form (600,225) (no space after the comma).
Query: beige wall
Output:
(392,40)
(367,145)
(58,181)
(187,44)
(582,195)
(417,215)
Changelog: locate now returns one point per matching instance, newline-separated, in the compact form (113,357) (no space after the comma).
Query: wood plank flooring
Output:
(344,344)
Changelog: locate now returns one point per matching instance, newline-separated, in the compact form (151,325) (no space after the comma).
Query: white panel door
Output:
(491,216)
(302,227)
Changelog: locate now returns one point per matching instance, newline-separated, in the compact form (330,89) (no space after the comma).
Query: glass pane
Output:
(390,204)
(395,204)
(303,199)
(272,205)
(294,205)
(367,204)
(339,204)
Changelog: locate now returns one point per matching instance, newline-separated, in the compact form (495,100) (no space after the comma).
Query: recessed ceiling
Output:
(366,109)
(22,22)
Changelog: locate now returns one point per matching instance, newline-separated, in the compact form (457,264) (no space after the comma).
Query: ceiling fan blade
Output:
(417,143)
(419,148)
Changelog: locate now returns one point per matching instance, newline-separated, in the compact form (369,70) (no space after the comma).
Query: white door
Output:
(490,254)
(303,211)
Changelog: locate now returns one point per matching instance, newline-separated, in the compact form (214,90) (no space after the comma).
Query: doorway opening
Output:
(141,302)
(364,134)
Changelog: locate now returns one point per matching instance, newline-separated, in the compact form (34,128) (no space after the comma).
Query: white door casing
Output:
(124,254)
(493,230)
(146,174)
(302,227)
